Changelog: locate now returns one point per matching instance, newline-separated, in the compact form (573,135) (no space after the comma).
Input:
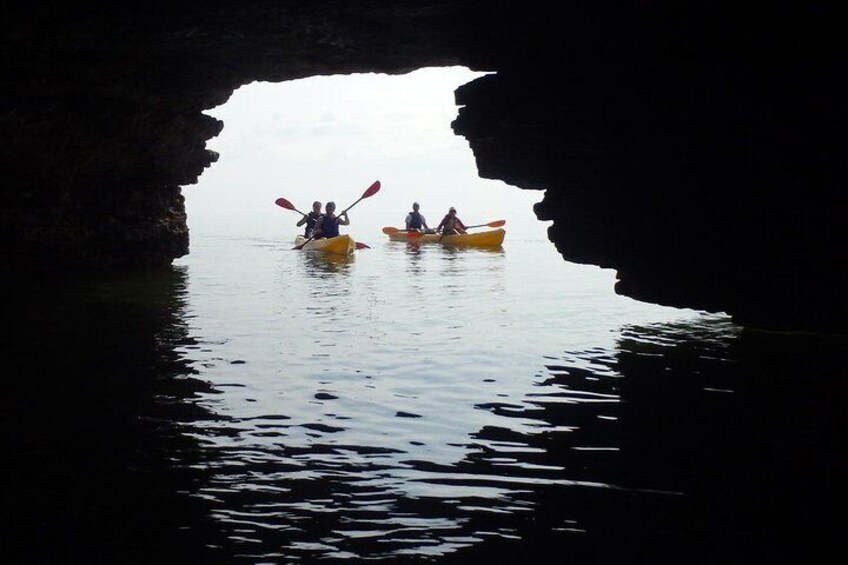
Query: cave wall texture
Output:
(696,148)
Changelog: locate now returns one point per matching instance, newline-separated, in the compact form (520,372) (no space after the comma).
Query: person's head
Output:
(415,206)
(331,207)
(316,207)
(452,211)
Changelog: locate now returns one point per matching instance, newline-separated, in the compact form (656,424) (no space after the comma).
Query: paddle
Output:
(362,246)
(283,203)
(396,231)
(495,224)
(370,191)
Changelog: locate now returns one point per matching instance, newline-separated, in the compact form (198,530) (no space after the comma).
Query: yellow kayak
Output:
(341,245)
(491,238)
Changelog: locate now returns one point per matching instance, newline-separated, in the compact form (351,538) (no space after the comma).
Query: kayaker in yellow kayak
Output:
(310,219)
(328,224)
(451,223)
(415,220)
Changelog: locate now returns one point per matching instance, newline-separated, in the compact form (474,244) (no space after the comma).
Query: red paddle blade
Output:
(390,230)
(284,203)
(362,246)
(372,190)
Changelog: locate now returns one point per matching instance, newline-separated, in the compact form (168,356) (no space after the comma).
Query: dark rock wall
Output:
(698,149)
(700,152)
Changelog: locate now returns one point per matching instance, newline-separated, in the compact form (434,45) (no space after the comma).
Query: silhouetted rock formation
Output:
(698,150)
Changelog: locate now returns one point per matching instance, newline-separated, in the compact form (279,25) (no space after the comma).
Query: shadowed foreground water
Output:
(131,436)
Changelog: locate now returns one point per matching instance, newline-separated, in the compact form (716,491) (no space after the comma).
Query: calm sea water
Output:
(253,404)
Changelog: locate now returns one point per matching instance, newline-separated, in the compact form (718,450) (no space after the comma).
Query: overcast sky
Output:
(329,138)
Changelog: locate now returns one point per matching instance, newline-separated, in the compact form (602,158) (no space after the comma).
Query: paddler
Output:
(451,224)
(415,220)
(310,219)
(328,224)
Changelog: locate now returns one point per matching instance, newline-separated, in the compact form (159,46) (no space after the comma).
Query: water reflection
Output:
(95,463)
(690,442)
(417,245)
(645,453)
(414,248)
(430,273)
(683,442)
(319,264)
(416,264)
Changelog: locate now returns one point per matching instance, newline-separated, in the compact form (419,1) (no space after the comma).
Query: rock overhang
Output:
(697,150)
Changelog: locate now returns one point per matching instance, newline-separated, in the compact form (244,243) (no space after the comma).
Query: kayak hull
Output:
(341,245)
(491,238)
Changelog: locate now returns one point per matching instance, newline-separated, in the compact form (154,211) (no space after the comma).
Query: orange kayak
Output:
(341,245)
(491,238)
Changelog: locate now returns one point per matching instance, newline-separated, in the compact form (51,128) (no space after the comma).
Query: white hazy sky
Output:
(329,138)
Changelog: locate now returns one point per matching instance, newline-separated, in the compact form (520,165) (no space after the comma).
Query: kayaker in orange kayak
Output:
(328,224)
(415,220)
(451,223)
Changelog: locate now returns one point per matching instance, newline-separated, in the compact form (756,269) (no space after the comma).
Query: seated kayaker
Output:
(310,219)
(450,223)
(328,224)
(415,220)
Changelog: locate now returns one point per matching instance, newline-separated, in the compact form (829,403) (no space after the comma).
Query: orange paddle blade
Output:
(495,224)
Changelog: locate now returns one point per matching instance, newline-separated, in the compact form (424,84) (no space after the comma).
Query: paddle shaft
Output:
(495,224)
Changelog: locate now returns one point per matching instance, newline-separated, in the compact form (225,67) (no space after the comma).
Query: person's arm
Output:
(460,226)
(346,221)
(441,224)
(302,220)
(407,220)
(424,224)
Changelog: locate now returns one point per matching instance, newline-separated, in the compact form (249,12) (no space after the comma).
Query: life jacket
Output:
(415,221)
(311,220)
(329,226)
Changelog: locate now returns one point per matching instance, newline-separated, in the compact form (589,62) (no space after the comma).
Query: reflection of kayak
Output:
(341,245)
(328,262)
(491,238)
